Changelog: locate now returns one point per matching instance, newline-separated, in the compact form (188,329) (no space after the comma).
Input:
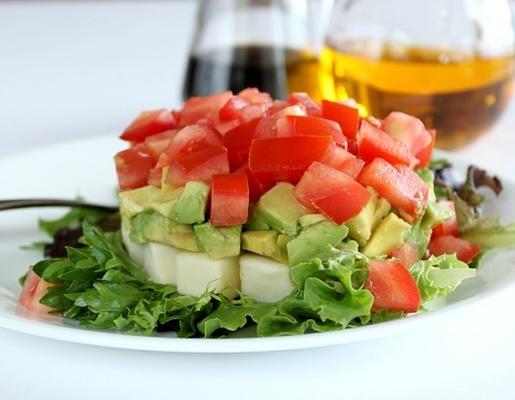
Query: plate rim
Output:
(112,339)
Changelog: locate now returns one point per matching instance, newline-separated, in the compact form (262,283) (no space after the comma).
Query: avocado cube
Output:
(134,201)
(313,240)
(150,226)
(191,206)
(362,225)
(389,234)
(219,242)
(255,222)
(280,209)
(266,243)
(311,219)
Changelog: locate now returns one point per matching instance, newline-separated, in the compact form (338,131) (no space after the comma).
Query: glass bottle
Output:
(269,44)
(449,62)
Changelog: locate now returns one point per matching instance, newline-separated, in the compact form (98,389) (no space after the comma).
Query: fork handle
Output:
(13,204)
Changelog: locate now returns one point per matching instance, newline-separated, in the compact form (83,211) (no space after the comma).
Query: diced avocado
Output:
(266,243)
(263,243)
(165,203)
(219,242)
(280,209)
(389,234)
(311,219)
(134,201)
(191,206)
(255,222)
(362,225)
(312,241)
(150,226)
(146,225)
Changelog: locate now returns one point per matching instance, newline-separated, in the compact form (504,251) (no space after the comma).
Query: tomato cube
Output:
(346,116)
(133,167)
(149,123)
(374,143)
(401,186)
(406,254)
(331,192)
(158,143)
(229,200)
(254,96)
(191,139)
(464,250)
(449,226)
(238,140)
(257,185)
(352,167)
(34,288)
(267,126)
(294,125)
(412,132)
(311,107)
(197,108)
(198,166)
(336,156)
(392,286)
(286,159)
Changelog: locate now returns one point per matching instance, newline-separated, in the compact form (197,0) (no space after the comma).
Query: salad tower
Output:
(287,216)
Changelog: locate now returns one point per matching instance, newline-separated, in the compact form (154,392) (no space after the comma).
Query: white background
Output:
(76,69)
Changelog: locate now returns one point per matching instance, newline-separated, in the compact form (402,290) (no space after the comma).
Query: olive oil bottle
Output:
(458,93)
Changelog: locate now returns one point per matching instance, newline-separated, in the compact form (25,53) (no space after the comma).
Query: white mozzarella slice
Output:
(135,250)
(196,273)
(160,263)
(263,279)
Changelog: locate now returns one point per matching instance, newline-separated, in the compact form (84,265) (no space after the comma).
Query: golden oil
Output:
(459,94)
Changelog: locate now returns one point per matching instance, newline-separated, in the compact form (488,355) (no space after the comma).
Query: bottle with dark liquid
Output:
(450,63)
(268,44)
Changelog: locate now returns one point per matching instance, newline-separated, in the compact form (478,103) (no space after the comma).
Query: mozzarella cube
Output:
(196,273)
(136,251)
(264,279)
(161,263)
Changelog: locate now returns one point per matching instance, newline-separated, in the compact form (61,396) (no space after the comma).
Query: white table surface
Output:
(75,69)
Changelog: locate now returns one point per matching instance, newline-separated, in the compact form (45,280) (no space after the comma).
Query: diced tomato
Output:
(257,185)
(294,125)
(346,116)
(335,156)
(374,143)
(464,250)
(133,167)
(229,200)
(312,108)
(286,159)
(198,166)
(192,138)
(406,254)
(238,140)
(254,96)
(392,286)
(34,288)
(401,186)
(197,108)
(410,131)
(267,126)
(352,167)
(252,112)
(232,109)
(331,192)
(449,226)
(149,123)
(156,173)
(424,155)
(157,144)
(223,127)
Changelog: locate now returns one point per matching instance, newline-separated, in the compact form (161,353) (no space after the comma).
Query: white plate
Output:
(86,168)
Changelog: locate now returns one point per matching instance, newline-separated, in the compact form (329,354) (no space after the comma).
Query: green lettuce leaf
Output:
(440,276)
